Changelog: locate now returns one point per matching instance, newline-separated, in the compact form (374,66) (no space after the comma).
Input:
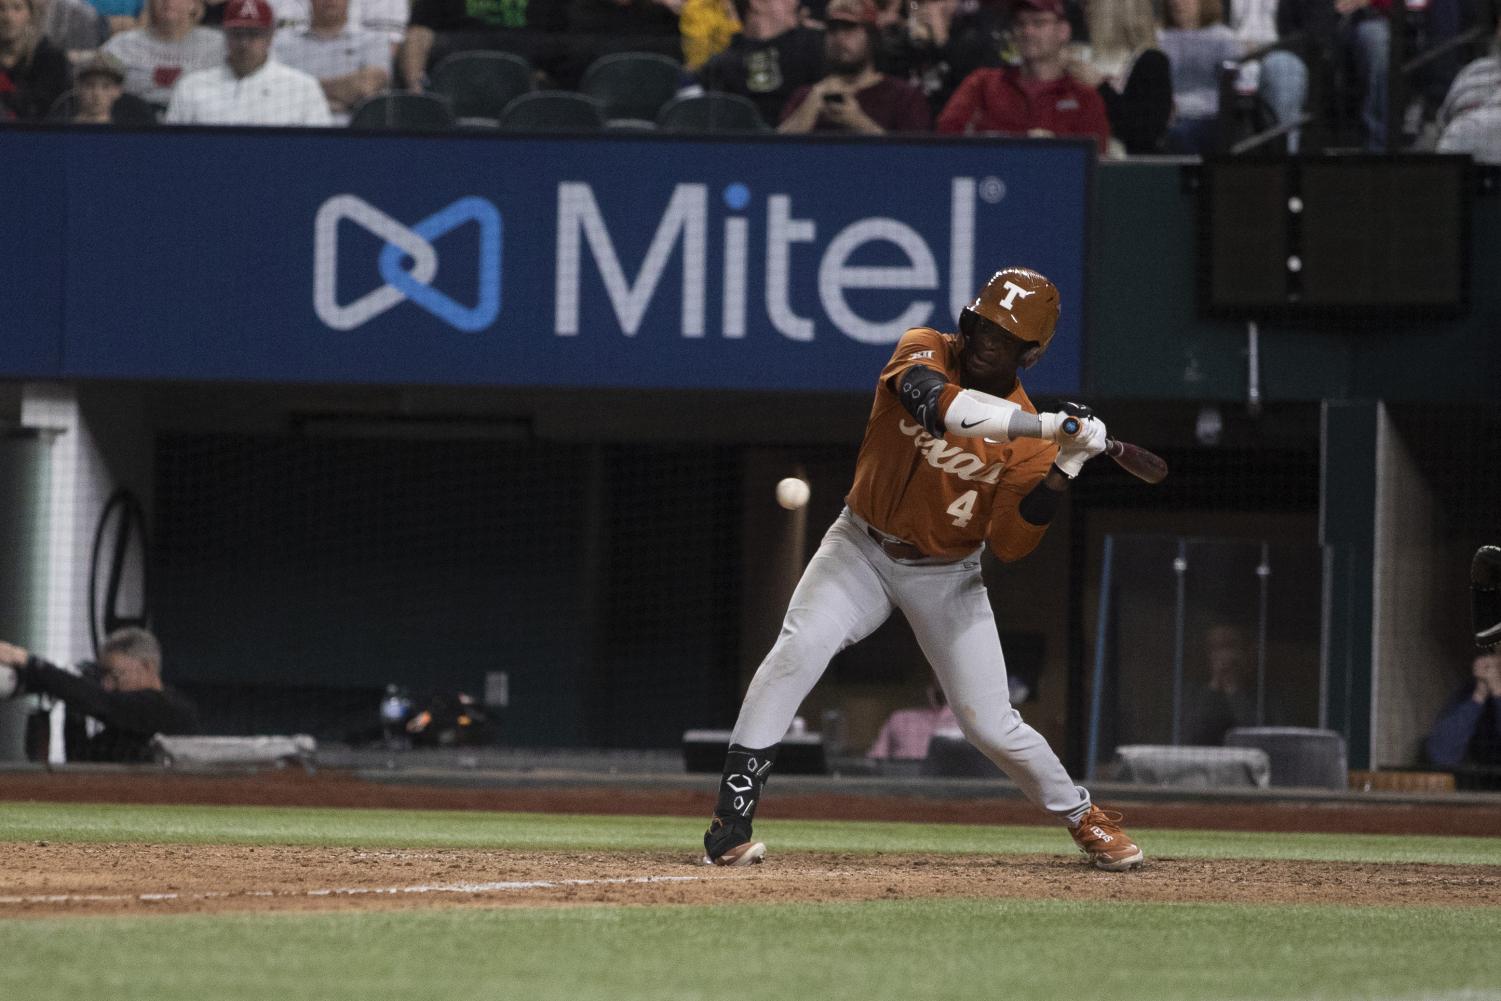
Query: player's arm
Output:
(944,409)
(1029,496)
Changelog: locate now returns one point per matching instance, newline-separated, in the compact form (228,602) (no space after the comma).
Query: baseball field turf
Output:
(166,902)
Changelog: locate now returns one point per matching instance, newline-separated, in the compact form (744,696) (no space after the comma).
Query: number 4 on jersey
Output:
(963,508)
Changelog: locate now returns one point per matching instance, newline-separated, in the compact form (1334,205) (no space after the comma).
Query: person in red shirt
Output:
(854,97)
(1037,97)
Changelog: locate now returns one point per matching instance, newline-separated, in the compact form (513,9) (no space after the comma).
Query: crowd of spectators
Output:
(1136,76)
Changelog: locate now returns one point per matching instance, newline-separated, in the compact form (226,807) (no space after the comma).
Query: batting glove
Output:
(1084,444)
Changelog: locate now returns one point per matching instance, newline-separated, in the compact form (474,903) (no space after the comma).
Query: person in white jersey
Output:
(250,88)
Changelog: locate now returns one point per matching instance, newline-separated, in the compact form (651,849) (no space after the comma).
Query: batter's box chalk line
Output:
(344,891)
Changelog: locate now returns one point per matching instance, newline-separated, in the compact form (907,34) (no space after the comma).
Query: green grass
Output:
(928,950)
(459,829)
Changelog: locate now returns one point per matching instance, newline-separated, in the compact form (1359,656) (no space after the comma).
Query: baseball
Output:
(793,493)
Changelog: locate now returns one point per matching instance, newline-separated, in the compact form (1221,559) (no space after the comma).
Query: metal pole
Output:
(1326,628)
(1253,368)
(1097,693)
(1180,567)
(1263,575)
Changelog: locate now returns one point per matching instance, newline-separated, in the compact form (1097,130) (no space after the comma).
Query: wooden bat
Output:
(1146,466)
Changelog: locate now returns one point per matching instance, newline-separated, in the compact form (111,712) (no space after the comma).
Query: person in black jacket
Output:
(1132,75)
(128,696)
(33,72)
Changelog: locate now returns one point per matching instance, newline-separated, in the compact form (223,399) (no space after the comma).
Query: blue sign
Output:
(766,263)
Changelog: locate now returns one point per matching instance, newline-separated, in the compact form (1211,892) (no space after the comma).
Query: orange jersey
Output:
(944,496)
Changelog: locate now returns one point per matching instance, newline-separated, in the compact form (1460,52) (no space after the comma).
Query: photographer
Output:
(128,697)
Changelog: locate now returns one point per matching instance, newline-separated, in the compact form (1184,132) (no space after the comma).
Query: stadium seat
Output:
(711,112)
(410,112)
(554,111)
(479,85)
(632,84)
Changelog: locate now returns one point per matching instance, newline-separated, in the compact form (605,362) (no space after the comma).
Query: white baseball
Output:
(793,493)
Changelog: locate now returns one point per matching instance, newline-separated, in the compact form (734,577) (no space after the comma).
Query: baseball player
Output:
(955,457)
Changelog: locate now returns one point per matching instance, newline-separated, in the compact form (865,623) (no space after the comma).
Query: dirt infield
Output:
(336,789)
(68,879)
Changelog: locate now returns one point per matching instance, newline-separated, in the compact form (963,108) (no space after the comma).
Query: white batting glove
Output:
(1076,449)
(8,682)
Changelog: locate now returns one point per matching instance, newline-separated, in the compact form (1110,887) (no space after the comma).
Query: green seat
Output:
(711,112)
(632,84)
(408,112)
(553,111)
(480,84)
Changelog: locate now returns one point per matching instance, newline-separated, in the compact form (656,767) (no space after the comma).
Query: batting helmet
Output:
(1021,302)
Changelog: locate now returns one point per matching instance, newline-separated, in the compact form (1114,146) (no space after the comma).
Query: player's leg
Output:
(839,600)
(950,615)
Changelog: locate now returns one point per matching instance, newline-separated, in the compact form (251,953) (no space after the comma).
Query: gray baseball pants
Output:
(849,588)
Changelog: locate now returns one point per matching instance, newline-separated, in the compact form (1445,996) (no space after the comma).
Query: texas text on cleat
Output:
(1099,836)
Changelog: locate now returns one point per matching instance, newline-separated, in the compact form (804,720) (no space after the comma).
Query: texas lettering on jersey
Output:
(944,495)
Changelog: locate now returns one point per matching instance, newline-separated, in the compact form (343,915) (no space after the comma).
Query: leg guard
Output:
(745,772)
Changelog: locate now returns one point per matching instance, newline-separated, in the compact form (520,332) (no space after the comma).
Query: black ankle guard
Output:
(745,771)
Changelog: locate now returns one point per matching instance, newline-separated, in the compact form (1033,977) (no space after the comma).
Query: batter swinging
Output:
(955,457)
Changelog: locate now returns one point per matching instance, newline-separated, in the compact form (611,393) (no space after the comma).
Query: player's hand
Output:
(12,655)
(1086,441)
(8,682)
(1487,677)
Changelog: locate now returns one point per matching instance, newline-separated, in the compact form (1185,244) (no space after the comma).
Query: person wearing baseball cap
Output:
(854,97)
(1036,98)
(100,98)
(249,88)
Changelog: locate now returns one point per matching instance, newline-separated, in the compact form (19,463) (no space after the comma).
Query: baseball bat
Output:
(1145,466)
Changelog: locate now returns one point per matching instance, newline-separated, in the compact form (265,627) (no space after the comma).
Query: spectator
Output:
(707,27)
(773,55)
(531,29)
(626,26)
(1469,727)
(1131,74)
(854,97)
(119,15)
(72,25)
(1035,98)
(100,98)
(939,44)
(1198,44)
(250,88)
(125,694)
(1228,699)
(1469,120)
(33,71)
(1340,29)
(349,63)
(906,733)
(172,43)
(1280,77)
(387,18)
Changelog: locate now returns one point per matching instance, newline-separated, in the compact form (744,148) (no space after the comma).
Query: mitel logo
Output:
(870,299)
(413,243)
